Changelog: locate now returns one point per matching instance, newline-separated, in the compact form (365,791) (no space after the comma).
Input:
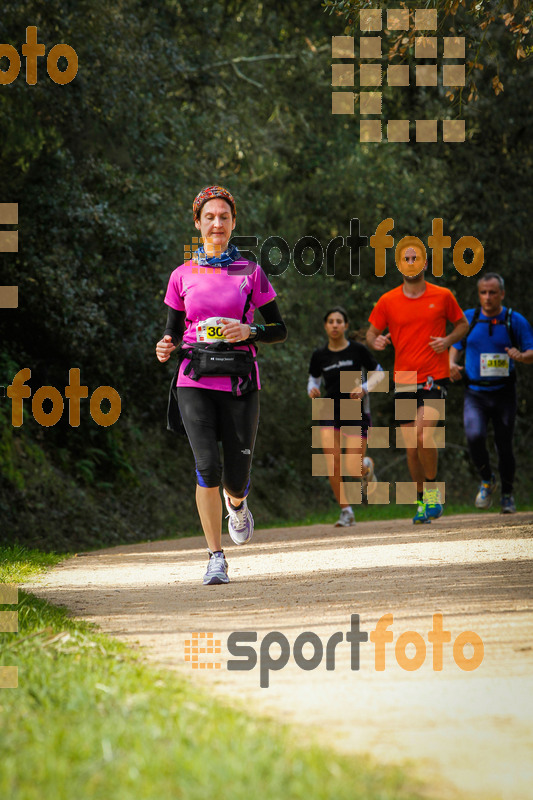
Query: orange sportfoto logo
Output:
(74,392)
(274,651)
(32,50)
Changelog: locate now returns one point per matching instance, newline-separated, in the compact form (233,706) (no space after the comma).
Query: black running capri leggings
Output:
(210,416)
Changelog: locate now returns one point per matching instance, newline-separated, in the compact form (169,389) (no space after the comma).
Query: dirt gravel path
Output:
(470,733)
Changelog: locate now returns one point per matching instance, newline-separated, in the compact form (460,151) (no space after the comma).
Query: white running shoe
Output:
(217,569)
(346,518)
(240,521)
(369,476)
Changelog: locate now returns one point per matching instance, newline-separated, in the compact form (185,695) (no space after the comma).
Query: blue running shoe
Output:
(508,506)
(433,503)
(484,496)
(421,514)
(217,569)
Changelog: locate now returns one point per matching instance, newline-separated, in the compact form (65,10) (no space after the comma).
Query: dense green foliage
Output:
(169,98)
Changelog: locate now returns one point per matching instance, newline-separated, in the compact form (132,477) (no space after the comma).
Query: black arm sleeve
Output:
(315,367)
(175,325)
(274,329)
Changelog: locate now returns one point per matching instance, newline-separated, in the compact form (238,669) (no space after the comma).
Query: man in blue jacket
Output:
(497,338)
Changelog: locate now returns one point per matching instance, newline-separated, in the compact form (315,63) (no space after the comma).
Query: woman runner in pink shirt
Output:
(211,302)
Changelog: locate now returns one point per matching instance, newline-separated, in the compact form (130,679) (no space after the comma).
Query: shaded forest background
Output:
(177,95)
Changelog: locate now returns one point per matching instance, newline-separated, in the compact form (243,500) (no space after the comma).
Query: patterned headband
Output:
(209,193)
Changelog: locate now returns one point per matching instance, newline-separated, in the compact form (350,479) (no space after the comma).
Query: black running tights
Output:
(210,416)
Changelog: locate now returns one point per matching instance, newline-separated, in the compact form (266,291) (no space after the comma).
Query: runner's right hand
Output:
(314,393)
(455,372)
(164,348)
(381,342)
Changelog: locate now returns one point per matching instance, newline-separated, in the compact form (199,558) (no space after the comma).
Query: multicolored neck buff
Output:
(210,193)
(223,260)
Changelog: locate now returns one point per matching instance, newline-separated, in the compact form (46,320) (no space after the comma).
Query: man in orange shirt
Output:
(416,314)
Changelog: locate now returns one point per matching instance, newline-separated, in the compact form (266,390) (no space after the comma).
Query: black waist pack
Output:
(215,359)
(218,358)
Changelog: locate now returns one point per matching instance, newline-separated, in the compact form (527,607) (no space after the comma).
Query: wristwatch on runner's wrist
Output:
(253,333)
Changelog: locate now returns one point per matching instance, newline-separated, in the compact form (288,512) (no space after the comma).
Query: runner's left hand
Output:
(235,331)
(514,353)
(438,344)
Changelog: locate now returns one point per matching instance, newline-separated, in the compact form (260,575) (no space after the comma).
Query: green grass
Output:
(18,563)
(91,720)
(368,513)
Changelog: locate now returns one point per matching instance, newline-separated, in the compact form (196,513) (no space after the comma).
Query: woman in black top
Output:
(343,422)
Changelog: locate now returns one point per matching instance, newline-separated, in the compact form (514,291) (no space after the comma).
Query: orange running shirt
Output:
(411,321)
